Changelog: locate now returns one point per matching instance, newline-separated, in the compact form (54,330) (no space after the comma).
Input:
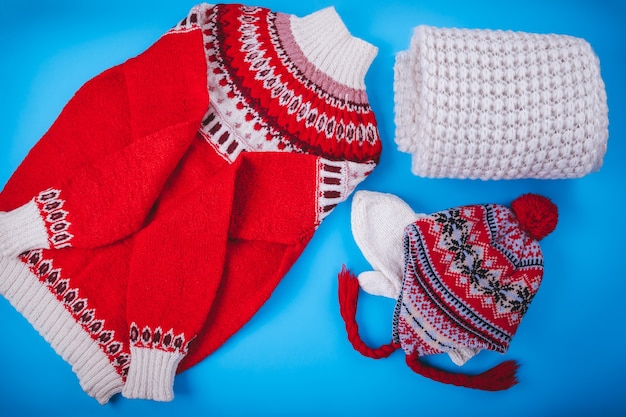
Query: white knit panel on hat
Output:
(485,104)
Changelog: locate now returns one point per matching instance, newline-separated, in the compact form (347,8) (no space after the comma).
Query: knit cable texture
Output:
(472,103)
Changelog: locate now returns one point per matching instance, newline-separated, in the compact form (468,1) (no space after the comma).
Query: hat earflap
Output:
(500,377)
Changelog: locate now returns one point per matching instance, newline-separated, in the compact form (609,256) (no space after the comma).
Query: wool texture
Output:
(488,104)
(470,274)
(378,221)
(175,190)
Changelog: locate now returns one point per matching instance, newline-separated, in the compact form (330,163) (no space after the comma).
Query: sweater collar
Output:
(327,44)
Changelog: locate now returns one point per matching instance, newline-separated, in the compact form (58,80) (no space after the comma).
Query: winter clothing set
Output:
(175,190)
(477,104)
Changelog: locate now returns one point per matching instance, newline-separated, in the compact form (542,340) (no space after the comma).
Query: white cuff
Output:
(151,374)
(21,230)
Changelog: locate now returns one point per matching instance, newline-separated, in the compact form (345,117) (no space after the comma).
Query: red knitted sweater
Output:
(173,192)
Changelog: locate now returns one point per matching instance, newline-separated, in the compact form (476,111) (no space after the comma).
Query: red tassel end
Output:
(500,377)
(348,298)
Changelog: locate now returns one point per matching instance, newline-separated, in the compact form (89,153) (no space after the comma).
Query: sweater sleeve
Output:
(176,268)
(93,178)
(258,211)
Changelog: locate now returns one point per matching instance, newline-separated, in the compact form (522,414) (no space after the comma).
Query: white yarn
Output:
(151,374)
(32,297)
(473,103)
(349,58)
(21,230)
(378,221)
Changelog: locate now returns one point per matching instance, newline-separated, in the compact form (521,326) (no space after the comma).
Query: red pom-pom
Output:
(536,214)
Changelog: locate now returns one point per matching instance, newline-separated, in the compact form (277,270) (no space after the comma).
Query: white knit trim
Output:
(193,20)
(22,229)
(151,374)
(53,321)
(336,181)
(460,355)
(488,104)
(326,42)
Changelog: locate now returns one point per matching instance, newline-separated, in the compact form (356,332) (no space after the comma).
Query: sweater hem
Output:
(50,317)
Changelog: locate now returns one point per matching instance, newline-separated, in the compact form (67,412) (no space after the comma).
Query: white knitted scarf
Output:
(486,104)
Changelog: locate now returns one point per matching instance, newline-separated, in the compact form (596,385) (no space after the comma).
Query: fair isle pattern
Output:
(267,97)
(298,89)
(472,262)
(470,275)
(158,339)
(418,324)
(78,307)
(518,247)
(274,89)
(51,206)
(413,334)
(336,180)
(190,22)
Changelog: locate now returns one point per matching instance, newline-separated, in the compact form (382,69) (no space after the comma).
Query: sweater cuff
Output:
(21,230)
(151,374)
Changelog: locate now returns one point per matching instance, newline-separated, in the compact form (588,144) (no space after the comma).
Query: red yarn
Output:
(348,297)
(498,378)
(537,215)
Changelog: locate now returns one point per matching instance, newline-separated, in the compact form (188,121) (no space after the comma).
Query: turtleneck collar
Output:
(327,44)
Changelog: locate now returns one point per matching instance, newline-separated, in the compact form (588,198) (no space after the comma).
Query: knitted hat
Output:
(469,276)
(485,104)
(174,191)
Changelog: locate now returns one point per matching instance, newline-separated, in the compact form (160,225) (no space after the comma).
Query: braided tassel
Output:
(348,297)
(498,378)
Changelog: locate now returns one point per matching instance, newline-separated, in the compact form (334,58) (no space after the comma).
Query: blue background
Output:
(293,358)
